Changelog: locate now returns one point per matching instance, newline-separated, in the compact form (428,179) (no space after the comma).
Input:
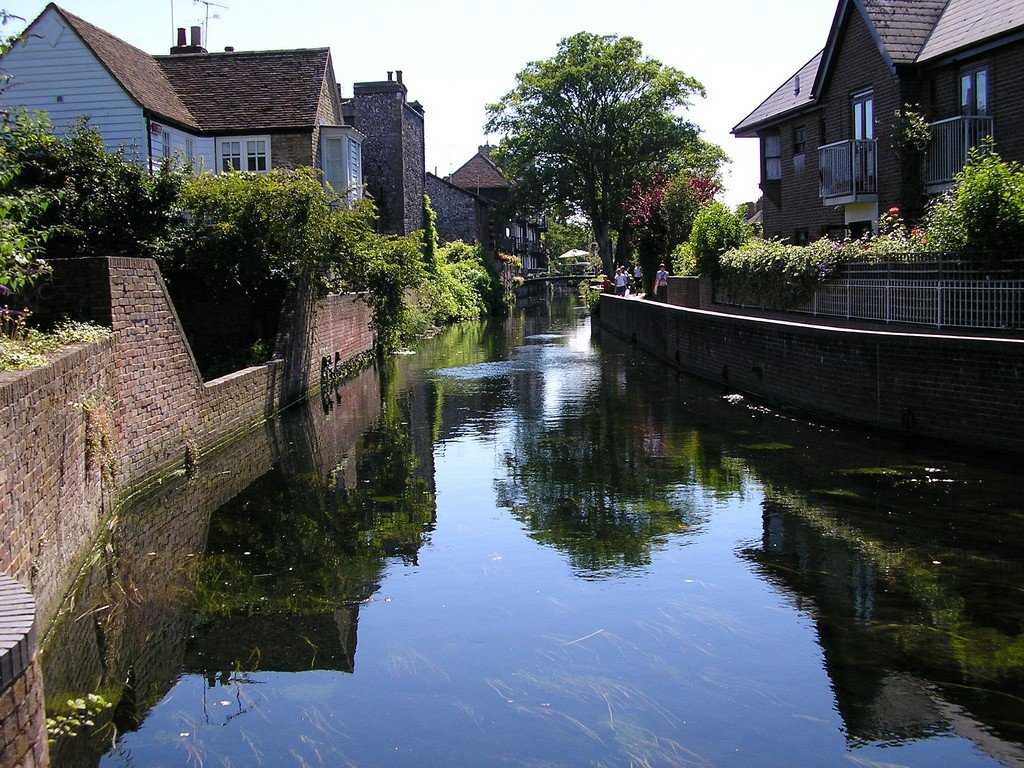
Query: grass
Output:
(31,349)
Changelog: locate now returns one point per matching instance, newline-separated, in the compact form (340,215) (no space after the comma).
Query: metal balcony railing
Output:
(951,143)
(848,169)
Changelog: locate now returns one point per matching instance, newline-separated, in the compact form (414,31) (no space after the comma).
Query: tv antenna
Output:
(206,24)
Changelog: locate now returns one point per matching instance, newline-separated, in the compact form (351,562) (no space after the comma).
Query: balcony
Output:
(951,144)
(849,172)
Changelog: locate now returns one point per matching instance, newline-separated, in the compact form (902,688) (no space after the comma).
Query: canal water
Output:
(526,544)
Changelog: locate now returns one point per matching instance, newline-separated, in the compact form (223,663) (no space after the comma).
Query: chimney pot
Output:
(197,37)
(390,73)
(181,37)
(398,75)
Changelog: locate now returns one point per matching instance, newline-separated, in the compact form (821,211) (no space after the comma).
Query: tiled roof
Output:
(136,70)
(785,99)
(249,90)
(967,22)
(903,26)
(479,172)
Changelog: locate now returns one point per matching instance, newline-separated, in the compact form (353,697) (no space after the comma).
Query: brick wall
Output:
(292,149)
(22,715)
(962,389)
(146,384)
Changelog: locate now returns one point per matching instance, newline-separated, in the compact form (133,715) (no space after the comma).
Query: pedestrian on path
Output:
(638,279)
(661,284)
(621,281)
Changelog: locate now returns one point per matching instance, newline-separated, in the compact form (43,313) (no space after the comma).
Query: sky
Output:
(459,55)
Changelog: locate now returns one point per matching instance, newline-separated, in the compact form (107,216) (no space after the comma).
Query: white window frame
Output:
(243,152)
(165,140)
(773,162)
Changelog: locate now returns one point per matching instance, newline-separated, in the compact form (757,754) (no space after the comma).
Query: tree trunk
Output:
(602,233)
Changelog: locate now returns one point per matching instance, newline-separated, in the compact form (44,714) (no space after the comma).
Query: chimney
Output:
(398,75)
(229,49)
(390,73)
(197,37)
(194,46)
(181,37)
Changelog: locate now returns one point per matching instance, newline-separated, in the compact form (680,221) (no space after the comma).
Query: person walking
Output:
(661,284)
(638,279)
(621,281)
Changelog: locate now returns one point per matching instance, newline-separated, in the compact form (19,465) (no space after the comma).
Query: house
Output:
(394,158)
(231,110)
(829,159)
(513,231)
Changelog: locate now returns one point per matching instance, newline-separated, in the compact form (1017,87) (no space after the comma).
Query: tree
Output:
(582,128)
(567,235)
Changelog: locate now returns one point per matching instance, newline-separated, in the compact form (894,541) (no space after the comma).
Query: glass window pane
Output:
(981,92)
(869,119)
(772,146)
(773,169)
(966,93)
(858,120)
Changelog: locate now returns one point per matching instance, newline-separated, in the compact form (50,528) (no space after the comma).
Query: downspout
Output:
(149,143)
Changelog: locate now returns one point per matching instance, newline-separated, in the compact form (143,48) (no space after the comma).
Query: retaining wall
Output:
(961,389)
(22,715)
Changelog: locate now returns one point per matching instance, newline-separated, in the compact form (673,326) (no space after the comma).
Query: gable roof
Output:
(249,90)
(455,187)
(969,22)
(903,26)
(480,172)
(136,71)
(905,31)
(785,99)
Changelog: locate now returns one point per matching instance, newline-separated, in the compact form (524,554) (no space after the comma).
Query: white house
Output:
(245,110)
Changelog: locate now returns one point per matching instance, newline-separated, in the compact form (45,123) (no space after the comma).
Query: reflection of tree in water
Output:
(291,559)
(604,480)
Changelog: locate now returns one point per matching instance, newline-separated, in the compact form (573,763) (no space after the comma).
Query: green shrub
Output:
(984,212)
(715,230)
(463,288)
(30,350)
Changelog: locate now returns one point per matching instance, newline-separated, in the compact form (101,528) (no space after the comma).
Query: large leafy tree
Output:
(582,128)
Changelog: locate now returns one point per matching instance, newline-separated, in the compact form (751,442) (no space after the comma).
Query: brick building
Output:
(223,111)
(828,161)
(394,162)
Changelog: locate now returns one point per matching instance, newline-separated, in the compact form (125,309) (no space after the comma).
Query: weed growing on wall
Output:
(30,348)
(99,437)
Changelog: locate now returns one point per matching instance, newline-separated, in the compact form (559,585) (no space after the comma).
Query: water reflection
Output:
(523,546)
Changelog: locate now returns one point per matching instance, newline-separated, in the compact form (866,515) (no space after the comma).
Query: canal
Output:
(525,544)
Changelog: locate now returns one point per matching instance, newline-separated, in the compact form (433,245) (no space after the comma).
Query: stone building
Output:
(461,214)
(394,165)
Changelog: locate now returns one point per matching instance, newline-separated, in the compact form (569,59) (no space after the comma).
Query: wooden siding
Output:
(204,156)
(53,63)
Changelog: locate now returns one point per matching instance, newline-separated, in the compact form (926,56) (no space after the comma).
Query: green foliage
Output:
(463,288)
(21,243)
(567,235)
(984,212)
(80,714)
(429,236)
(30,349)
(584,126)
(910,133)
(715,230)
(91,202)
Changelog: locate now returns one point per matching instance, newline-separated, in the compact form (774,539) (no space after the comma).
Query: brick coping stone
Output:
(17,631)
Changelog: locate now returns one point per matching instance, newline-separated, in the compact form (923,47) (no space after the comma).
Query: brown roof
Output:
(249,90)
(785,99)
(136,70)
(480,172)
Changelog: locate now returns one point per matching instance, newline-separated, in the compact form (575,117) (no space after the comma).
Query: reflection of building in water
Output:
(892,682)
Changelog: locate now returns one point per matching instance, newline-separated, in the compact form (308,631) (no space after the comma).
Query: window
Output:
(974,92)
(801,237)
(799,140)
(772,158)
(256,155)
(355,162)
(864,116)
(190,152)
(165,139)
(231,156)
(245,153)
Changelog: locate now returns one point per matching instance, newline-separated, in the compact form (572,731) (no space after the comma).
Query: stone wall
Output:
(961,389)
(414,165)
(293,149)
(460,214)
(22,714)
